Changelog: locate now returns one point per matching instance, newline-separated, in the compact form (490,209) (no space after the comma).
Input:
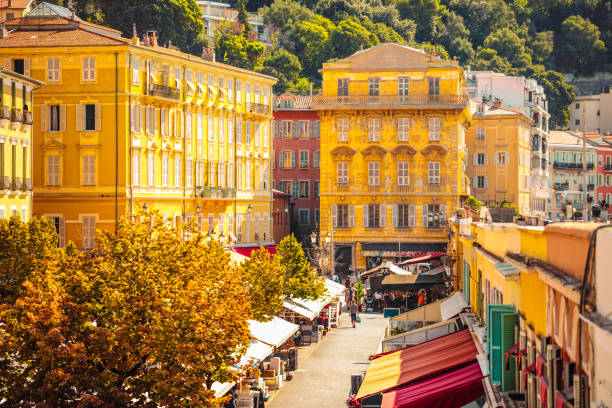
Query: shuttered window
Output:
(374,173)
(53,69)
(177,170)
(434,129)
(342,126)
(403,129)
(136,168)
(53,170)
(343,173)
(151,168)
(89,232)
(89,69)
(165,169)
(374,129)
(89,170)
(403,172)
(433,173)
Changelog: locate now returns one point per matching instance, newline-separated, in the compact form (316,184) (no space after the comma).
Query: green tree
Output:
(237,50)
(147,320)
(264,278)
(301,281)
(507,44)
(284,14)
(487,59)
(542,45)
(425,13)
(283,65)
(579,48)
(558,94)
(311,41)
(243,17)
(349,37)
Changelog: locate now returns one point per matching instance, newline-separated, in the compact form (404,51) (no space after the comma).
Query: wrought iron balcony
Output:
(27,118)
(322,101)
(16,185)
(561,186)
(404,188)
(5,113)
(566,165)
(27,184)
(373,189)
(434,188)
(342,188)
(5,183)
(16,115)
(216,192)
(258,108)
(165,92)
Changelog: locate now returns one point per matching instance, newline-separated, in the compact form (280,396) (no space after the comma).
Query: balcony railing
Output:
(16,185)
(373,189)
(27,118)
(5,183)
(561,186)
(324,100)
(165,92)
(259,108)
(434,188)
(16,115)
(5,113)
(342,188)
(216,192)
(404,188)
(27,184)
(565,165)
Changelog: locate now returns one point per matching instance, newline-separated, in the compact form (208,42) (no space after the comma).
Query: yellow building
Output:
(498,142)
(124,123)
(393,124)
(16,144)
(10,9)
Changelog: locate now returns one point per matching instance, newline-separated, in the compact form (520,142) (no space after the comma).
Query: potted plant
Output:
(359,294)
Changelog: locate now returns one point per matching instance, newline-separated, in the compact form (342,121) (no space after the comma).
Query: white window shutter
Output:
(443,212)
(507,157)
(412,216)
(141,118)
(425,218)
(281,156)
(292,159)
(163,121)
(365,215)
(486,157)
(133,118)
(334,215)
(44,115)
(383,215)
(475,159)
(79,117)
(475,181)
(62,231)
(98,116)
(155,121)
(486,181)
(62,123)
(26,67)
(496,158)
(394,222)
(351,215)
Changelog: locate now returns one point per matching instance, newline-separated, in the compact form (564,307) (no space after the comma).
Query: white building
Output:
(595,110)
(215,13)
(524,95)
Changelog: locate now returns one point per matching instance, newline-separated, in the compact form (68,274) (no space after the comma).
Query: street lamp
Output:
(313,238)
(145,207)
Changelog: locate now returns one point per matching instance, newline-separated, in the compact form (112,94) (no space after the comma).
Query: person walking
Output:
(353,310)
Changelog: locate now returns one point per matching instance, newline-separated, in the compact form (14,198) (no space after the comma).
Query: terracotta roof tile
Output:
(15,4)
(55,38)
(299,101)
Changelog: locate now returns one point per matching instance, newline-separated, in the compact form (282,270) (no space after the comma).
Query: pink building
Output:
(604,170)
(296,147)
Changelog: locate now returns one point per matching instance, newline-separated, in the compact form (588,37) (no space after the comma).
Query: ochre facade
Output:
(393,124)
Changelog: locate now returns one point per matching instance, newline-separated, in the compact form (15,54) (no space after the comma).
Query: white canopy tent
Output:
(311,308)
(274,332)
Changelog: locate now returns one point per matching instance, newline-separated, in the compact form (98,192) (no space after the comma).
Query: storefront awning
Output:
(450,390)
(404,249)
(311,308)
(453,305)
(415,363)
(386,267)
(418,336)
(274,332)
(416,260)
(256,352)
(246,251)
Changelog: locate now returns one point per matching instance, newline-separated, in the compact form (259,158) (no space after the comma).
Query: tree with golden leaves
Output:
(301,280)
(265,279)
(145,320)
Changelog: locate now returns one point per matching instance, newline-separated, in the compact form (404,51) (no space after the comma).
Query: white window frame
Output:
(433,173)
(342,172)
(89,170)
(53,170)
(374,130)
(88,69)
(403,173)
(53,69)
(403,129)
(343,129)
(164,169)
(89,231)
(151,168)
(434,129)
(136,168)
(374,173)
(480,134)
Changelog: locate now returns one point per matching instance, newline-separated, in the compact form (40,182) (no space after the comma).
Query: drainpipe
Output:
(116,139)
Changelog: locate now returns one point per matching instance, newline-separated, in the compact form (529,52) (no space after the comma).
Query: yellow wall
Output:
(15,146)
(504,132)
(73,198)
(358,151)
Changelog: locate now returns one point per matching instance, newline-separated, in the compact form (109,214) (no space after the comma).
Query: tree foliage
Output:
(301,281)
(146,320)
(580,49)
(265,279)
(237,50)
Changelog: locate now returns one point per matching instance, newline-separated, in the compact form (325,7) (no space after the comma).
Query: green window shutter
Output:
(494,339)
(508,322)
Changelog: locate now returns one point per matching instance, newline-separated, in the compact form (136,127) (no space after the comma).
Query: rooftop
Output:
(15,4)
(289,101)
(567,138)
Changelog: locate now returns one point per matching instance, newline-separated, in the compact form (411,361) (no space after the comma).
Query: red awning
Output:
(453,389)
(246,251)
(417,362)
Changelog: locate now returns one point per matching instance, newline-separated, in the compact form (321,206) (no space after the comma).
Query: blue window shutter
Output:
(508,322)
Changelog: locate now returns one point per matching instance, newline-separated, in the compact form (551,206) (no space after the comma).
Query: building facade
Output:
(297,148)
(215,13)
(525,95)
(604,171)
(567,175)
(11,9)
(392,153)
(281,216)
(16,144)
(592,112)
(499,167)
(124,123)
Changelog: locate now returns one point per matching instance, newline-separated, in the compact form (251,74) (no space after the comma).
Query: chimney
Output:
(152,38)
(134,32)
(208,54)
(497,103)
(3,31)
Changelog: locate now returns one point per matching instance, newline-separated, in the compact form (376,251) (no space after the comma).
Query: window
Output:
(60,227)
(433,215)
(151,168)
(501,158)
(342,215)
(403,173)
(89,232)
(343,173)
(19,66)
(374,130)
(433,172)
(374,87)
(480,134)
(136,168)
(403,215)
(238,131)
(316,188)
(165,169)
(373,173)
(403,128)
(577,122)
(177,170)
(343,129)
(211,130)
(372,216)
(317,216)
(315,129)
(89,170)
(434,86)
(89,69)
(402,86)
(90,117)
(480,182)
(53,170)
(295,189)
(315,159)
(480,159)
(54,118)
(577,106)
(188,172)
(434,129)
(248,133)
(304,162)
(343,87)
(10,16)
(53,69)
(304,216)
(286,159)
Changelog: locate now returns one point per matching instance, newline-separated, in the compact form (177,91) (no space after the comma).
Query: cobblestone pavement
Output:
(324,370)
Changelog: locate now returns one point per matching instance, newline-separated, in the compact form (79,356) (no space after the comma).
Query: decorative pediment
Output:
(343,152)
(403,150)
(53,144)
(434,148)
(374,151)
